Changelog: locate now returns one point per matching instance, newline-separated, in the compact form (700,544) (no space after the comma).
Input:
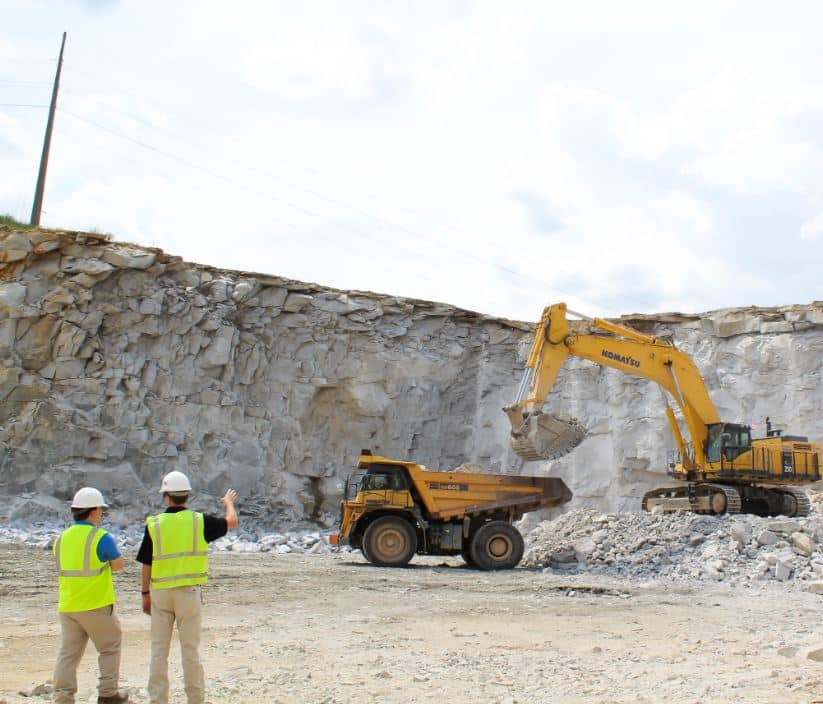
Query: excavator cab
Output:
(725,442)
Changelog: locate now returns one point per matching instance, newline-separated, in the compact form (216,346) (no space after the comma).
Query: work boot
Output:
(117,698)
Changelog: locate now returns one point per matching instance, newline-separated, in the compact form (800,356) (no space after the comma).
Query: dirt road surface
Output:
(333,629)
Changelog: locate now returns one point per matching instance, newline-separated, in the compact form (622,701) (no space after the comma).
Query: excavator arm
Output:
(539,436)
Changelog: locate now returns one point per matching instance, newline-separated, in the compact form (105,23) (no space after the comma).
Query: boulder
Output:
(803,544)
(766,537)
(14,247)
(12,297)
(85,265)
(783,527)
(124,258)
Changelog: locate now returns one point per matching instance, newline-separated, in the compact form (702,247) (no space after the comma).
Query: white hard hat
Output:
(88,497)
(175,482)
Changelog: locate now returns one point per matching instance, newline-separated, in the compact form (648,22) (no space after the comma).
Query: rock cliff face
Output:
(119,363)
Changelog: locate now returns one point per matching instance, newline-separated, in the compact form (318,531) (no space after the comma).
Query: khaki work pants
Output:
(103,627)
(183,605)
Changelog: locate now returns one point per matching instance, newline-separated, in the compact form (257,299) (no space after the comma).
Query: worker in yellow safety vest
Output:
(174,554)
(86,557)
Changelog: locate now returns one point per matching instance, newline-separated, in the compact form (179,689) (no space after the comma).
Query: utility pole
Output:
(44,158)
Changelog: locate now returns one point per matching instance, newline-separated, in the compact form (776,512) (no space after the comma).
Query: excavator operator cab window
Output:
(727,441)
(735,440)
(714,442)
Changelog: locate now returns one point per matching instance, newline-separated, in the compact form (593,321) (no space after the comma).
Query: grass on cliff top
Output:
(11,222)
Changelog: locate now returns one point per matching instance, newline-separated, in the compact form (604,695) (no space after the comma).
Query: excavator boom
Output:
(615,346)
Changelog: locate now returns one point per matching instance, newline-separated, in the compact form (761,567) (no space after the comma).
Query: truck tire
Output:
(466,554)
(389,542)
(496,545)
(363,551)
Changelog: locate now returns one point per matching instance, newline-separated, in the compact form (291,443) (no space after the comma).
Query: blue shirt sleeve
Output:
(107,549)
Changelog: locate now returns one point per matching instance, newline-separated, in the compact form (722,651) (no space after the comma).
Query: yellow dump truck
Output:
(393,510)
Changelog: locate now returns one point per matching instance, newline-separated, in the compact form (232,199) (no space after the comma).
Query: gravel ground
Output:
(329,628)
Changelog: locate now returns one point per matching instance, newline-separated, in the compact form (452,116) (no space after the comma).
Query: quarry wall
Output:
(119,363)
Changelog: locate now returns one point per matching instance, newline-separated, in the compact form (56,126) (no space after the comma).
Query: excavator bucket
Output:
(545,436)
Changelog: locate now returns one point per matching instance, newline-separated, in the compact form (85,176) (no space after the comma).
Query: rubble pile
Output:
(734,549)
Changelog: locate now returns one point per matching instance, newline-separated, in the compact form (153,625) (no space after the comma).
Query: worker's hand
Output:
(147,604)
(229,498)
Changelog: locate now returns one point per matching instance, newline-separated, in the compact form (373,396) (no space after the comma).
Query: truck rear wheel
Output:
(389,542)
(497,545)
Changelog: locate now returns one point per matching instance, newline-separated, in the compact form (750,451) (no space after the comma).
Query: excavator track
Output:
(713,499)
(804,506)
(732,495)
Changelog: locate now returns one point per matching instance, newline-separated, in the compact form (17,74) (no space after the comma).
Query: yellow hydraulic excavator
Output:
(723,469)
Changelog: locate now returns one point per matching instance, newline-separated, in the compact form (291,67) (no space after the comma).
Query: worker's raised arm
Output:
(231,515)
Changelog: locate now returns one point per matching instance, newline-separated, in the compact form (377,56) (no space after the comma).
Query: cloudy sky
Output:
(623,157)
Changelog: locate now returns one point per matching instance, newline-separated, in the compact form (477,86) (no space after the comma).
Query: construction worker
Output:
(86,557)
(174,554)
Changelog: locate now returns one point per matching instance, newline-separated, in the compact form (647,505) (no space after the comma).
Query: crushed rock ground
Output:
(678,547)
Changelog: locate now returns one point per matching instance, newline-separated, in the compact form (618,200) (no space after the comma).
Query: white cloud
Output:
(812,230)
(739,127)
(327,63)
(380,147)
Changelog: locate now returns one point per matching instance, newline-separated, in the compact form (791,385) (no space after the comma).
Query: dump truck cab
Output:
(394,509)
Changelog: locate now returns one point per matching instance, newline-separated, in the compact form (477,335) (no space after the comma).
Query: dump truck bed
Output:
(453,495)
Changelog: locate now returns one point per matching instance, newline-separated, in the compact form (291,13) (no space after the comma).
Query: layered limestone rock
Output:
(119,363)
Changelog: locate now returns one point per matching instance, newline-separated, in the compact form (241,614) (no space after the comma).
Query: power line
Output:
(244,189)
(180,160)
(15,82)
(358,210)
(316,194)
(8,60)
(416,235)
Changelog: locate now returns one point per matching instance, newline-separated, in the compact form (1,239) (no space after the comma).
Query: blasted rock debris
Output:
(683,547)
(739,550)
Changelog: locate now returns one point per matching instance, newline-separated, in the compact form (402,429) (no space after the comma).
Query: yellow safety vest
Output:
(180,554)
(84,582)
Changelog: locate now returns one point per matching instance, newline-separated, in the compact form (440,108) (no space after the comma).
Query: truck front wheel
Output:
(497,545)
(466,554)
(389,542)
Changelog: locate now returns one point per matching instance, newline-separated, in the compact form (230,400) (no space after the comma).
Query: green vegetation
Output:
(11,222)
